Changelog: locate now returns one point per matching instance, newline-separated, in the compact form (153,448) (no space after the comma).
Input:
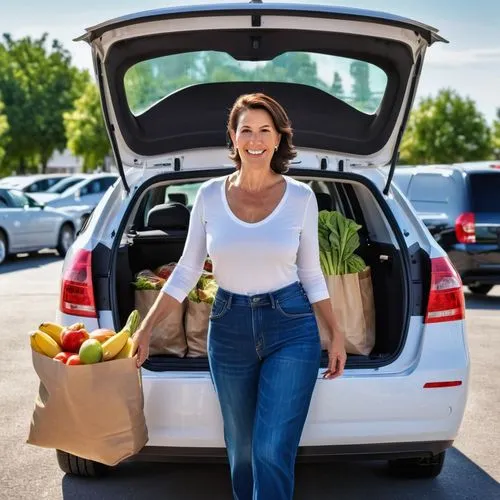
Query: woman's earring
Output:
(276,147)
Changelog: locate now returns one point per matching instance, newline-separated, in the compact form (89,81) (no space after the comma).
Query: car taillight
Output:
(446,297)
(77,291)
(465,228)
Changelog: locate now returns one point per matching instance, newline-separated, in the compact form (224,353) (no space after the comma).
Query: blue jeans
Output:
(264,353)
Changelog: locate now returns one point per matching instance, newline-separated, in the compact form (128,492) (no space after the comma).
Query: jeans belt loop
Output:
(230,298)
(271,298)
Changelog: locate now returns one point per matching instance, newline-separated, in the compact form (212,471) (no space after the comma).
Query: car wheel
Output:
(3,248)
(77,466)
(480,289)
(418,468)
(66,239)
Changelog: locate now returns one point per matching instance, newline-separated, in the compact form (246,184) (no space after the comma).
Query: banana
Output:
(46,343)
(33,343)
(133,322)
(128,350)
(115,344)
(52,329)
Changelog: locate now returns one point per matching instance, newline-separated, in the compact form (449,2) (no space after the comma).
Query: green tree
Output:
(37,83)
(149,81)
(337,87)
(85,129)
(362,96)
(446,129)
(4,127)
(496,136)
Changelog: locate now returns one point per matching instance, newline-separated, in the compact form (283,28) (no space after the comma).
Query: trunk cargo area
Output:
(147,248)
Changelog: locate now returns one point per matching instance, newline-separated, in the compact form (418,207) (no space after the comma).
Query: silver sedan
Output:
(28,226)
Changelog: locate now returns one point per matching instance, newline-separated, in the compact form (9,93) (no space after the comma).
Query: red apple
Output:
(71,340)
(63,357)
(74,359)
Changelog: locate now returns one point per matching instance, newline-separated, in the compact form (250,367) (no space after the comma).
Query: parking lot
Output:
(28,295)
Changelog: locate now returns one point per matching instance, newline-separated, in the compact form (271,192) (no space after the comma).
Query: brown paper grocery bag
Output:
(168,337)
(196,325)
(91,411)
(351,296)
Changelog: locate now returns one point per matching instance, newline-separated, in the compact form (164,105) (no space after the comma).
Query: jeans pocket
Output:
(297,306)
(219,308)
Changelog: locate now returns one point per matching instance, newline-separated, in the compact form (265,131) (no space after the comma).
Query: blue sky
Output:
(470,63)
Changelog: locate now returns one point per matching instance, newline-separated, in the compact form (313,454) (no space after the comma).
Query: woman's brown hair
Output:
(286,150)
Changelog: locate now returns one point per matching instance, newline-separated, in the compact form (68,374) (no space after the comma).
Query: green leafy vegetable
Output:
(338,240)
(147,280)
(205,289)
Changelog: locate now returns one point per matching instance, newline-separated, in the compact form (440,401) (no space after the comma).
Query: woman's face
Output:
(255,137)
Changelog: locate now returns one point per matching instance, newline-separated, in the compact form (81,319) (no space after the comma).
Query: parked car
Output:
(406,400)
(27,226)
(32,183)
(88,191)
(61,186)
(460,206)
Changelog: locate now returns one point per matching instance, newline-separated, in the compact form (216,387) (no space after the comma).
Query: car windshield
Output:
(64,184)
(21,200)
(485,188)
(356,82)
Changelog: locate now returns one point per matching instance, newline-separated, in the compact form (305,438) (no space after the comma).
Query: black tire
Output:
(418,468)
(71,464)
(66,239)
(4,248)
(480,289)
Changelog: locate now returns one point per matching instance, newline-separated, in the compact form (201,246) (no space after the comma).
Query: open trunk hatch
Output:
(194,115)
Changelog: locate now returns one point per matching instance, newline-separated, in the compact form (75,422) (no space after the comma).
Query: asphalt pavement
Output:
(28,295)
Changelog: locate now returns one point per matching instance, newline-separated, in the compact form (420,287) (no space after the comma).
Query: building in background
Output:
(64,162)
(67,163)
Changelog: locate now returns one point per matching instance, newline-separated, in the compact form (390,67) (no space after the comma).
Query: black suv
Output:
(460,205)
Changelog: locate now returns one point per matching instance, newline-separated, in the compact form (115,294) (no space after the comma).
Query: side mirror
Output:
(77,195)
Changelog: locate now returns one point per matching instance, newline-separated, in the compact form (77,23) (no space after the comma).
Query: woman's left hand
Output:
(336,358)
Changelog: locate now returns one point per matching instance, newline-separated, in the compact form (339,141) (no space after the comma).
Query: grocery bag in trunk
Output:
(196,325)
(168,336)
(199,306)
(91,411)
(351,296)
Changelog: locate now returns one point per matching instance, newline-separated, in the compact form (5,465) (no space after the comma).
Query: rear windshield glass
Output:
(485,191)
(184,193)
(358,83)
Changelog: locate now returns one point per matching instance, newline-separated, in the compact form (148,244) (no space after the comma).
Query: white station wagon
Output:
(168,79)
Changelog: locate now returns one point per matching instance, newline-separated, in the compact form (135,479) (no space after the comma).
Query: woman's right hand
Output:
(141,339)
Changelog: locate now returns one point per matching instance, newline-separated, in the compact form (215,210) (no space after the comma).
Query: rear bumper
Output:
(378,451)
(363,408)
(183,411)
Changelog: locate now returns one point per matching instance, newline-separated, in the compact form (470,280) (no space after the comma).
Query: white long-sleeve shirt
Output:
(251,258)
